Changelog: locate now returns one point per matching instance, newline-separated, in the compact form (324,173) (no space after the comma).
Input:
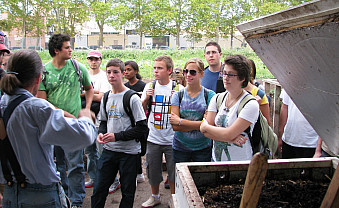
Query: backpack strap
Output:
(220,99)
(9,160)
(206,95)
(127,107)
(104,101)
(77,70)
(180,95)
(149,106)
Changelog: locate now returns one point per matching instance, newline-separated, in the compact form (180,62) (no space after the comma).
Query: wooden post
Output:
(331,199)
(273,85)
(254,181)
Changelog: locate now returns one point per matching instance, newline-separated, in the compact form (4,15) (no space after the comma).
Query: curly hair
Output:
(56,42)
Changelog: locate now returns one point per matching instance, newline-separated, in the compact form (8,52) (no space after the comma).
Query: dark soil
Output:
(299,193)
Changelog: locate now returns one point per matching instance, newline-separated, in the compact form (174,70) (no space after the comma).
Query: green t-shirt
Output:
(63,86)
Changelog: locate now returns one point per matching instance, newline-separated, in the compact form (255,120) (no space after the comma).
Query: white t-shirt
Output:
(100,82)
(297,132)
(118,121)
(224,151)
(161,131)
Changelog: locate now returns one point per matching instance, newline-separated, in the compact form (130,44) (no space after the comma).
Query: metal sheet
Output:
(305,60)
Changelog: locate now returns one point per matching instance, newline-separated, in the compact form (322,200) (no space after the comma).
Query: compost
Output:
(275,193)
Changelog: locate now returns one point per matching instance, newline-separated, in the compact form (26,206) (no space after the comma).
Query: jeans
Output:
(76,175)
(203,155)
(92,159)
(107,168)
(61,166)
(34,195)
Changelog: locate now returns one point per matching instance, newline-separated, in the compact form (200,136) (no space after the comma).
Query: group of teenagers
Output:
(185,123)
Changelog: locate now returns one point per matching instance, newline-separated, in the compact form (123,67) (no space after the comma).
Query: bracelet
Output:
(180,122)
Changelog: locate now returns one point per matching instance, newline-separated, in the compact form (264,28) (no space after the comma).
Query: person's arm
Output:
(318,149)
(89,95)
(133,133)
(70,134)
(265,110)
(282,123)
(179,124)
(222,134)
(148,93)
(97,96)
(42,94)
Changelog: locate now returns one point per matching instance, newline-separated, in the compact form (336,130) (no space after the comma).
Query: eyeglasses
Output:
(177,71)
(191,71)
(229,75)
(211,52)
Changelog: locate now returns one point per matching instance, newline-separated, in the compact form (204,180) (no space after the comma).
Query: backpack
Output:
(220,84)
(262,138)
(152,85)
(181,95)
(9,160)
(126,103)
(77,70)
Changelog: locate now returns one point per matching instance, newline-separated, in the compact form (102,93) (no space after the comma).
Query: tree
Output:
(138,13)
(178,15)
(101,10)
(26,16)
(64,15)
(211,19)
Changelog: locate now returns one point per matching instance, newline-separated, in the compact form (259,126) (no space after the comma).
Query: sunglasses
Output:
(191,71)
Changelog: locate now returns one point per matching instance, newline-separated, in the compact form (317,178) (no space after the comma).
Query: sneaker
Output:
(89,184)
(151,202)
(114,187)
(166,184)
(140,178)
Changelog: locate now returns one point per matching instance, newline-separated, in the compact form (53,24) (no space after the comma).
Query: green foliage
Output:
(145,58)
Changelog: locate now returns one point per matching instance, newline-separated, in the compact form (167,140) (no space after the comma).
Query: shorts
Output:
(154,156)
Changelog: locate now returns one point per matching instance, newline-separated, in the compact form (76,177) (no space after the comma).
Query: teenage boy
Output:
(100,85)
(161,134)
(120,152)
(61,87)
(213,73)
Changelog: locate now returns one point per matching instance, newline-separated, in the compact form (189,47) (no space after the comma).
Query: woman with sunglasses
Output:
(222,124)
(188,108)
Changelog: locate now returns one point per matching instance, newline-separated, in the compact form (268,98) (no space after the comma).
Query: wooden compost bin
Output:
(189,176)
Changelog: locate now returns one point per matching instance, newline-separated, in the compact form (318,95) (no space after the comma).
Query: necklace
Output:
(227,109)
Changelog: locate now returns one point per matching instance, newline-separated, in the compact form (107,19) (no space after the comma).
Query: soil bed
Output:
(275,193)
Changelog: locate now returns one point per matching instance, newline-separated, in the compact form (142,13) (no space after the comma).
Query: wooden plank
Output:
(331,199)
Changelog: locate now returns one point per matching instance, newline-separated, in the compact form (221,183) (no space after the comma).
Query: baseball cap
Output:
(2,43)
(95,54)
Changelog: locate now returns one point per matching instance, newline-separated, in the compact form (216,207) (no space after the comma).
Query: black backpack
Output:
(126,103)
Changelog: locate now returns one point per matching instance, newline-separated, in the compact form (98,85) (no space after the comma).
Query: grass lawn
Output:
(145,58)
